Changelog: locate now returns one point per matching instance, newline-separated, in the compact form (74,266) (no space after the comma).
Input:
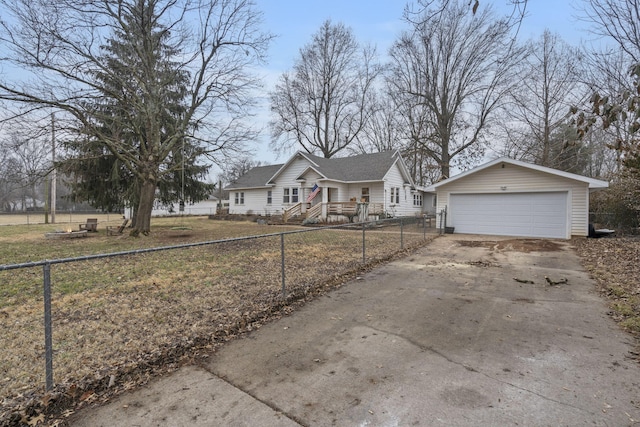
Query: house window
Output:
(290,195)
(239,198)
(417,200)
(395,195)
(365,195)
(269,198)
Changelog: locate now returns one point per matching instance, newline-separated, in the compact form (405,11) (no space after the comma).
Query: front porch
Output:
(335,211)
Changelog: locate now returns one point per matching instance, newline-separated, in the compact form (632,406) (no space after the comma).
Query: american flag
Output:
(314,192)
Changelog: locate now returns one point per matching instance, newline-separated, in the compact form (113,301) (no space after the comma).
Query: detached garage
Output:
(512,198)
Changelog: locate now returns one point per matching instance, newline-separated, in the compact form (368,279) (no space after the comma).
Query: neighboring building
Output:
(210,206)
(513,198)
(367,185)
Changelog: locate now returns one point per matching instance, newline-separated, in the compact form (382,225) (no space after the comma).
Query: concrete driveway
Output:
(446,336)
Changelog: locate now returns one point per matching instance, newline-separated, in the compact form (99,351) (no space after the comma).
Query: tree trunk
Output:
(445,158)
(145,206)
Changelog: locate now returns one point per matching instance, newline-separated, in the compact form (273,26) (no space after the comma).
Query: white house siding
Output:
(288,179)
(376,191)
(255,202)
(339,191)
(394,179)
(518,179)
(311,178)
(429,203)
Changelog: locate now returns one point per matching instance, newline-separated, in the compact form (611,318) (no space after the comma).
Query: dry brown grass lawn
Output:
(615,264)
(116,321)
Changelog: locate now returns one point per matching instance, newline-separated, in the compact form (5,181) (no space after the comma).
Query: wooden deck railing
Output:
(292,211)
(342,208)
(376,208)
(348,209)
(314,211)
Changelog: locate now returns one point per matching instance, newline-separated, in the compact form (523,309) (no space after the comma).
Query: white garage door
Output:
(512,214)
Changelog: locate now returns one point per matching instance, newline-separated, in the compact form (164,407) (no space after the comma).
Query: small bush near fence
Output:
(117,319)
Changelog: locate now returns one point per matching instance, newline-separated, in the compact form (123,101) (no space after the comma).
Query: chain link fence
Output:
(100,321)
(624,221)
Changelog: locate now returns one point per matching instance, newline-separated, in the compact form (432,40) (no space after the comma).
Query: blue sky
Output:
(378,22)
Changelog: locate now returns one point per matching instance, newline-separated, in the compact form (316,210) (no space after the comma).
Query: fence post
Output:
(401,235)
(364,258)
(424,227)
(284,291)
(48,341)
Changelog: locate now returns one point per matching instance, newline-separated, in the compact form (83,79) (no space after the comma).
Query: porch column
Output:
(325,199)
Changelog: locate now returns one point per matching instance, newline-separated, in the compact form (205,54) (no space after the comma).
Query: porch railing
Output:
(348,209)
(292,211)
(314,211)
(342,208)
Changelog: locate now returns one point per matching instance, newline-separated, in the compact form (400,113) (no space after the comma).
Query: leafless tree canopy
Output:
(449,74)
(25,160)
(56,55)
(615,104)
(238,167)
(549,82)
(617,20)
(321,105)
(382,131)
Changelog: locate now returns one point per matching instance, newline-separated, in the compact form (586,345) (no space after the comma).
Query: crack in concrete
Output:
(271,405)
(472,369)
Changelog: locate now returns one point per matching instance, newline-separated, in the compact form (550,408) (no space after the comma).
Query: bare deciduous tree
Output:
(382,130)
(549,83)
(321,105)
(617,106)
(458,66)
(414,120)
(24,163)
(237,168)
(181,71)
(618,21)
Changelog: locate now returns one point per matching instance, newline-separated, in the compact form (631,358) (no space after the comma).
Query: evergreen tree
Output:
(146,81)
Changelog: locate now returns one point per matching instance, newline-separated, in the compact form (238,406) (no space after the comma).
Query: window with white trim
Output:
(395,195)
(417,200)
(239,199)
(269,197)
(290,195)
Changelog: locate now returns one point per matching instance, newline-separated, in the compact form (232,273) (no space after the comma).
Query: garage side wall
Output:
(517,179)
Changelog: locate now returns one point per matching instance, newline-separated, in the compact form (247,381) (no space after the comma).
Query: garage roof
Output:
(593,183)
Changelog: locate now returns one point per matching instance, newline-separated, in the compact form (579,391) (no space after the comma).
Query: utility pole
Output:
(53,171)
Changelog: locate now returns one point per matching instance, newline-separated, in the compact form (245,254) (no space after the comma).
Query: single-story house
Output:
(364,186)
(513,198)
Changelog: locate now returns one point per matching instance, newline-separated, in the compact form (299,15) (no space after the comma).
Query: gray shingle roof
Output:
(363,167)
(256,177)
